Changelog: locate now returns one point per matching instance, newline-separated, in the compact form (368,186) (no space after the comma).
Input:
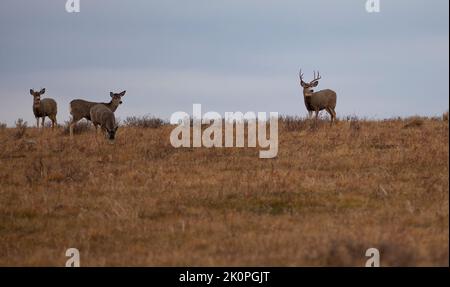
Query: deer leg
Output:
(43,121)
(37,122)
(53,118)
(310,113)
(331,115)
(72,124)
(71,129)
(96,133)
(103,129)
(316,118)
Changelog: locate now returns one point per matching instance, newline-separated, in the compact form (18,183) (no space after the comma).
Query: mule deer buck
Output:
(44,108)
(320,100)
(104,117)
(80,109)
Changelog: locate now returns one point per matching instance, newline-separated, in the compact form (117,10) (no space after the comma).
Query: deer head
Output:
(308,87)
(37,96)
(111,133)
(116,98)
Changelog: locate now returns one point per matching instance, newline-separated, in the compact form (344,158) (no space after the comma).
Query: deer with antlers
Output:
(320,100)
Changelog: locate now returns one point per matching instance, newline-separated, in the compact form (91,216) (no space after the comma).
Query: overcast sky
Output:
(228,55)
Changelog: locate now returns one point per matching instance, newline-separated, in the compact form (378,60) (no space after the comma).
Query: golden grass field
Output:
(331,193)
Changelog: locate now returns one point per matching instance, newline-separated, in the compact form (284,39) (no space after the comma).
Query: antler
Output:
(316,78)
(300,74)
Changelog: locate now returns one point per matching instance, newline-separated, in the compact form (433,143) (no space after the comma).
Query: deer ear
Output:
(42,91)
(315,83)
(122,94)
(31,92)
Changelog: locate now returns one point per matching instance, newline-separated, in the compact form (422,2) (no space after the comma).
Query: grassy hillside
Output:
(331,193)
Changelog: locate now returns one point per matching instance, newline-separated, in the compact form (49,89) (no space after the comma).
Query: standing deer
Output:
(320,100)
(80,109)
(44,108)
(104,117)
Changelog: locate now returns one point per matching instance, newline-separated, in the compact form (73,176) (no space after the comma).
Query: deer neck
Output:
(36,103)
(113,107)
(307,94)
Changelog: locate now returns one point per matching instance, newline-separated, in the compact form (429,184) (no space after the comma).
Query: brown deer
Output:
(104,117)
(44,108)
(320,100)
(80,109)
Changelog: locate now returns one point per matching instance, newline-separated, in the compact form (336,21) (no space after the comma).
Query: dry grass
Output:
(82,126)
(331,193)
(21,129)
(414,122)
(144,122)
